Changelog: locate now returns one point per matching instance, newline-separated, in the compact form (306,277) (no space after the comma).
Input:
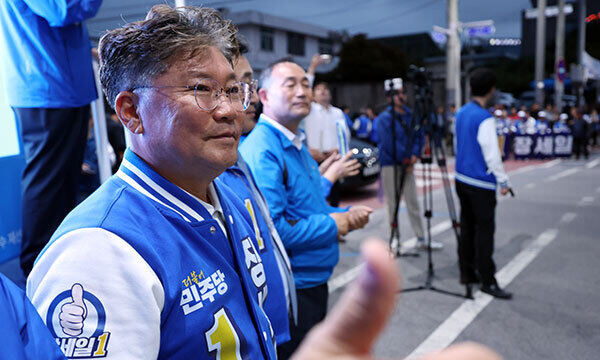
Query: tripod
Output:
(433,149)
(409,130)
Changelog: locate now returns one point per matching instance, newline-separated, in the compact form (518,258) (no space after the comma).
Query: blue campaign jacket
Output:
(46,49)
(470,165)
(275,305)
(383,126)
(173,243)
(290,181)
(23,333)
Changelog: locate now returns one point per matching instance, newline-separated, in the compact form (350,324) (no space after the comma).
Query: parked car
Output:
(368,156)
(504,98)
(528,98)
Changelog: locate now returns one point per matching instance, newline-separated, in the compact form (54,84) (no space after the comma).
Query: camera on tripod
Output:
(392,85)
(419,76)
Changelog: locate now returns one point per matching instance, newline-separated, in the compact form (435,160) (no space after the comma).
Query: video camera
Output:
(391,85)
(419,76)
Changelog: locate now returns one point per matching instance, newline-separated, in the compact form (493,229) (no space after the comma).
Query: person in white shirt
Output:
(326,130)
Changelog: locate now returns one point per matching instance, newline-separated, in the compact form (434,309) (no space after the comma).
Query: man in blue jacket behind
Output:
(49,82)
(290,181)
(403,144)
(478,171)
(279,301)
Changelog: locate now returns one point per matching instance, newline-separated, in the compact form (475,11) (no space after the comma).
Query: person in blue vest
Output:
(290,180)
(49,83)
(478,172)
(160,262)
(542,124)
(280,301)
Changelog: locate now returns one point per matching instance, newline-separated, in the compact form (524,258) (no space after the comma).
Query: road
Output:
(547,248)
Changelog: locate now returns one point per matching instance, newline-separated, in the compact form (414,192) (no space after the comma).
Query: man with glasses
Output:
(395,148)
(278,297)
(160,262)
(290,181)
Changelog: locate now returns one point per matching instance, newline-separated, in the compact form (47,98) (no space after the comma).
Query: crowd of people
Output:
(220,228)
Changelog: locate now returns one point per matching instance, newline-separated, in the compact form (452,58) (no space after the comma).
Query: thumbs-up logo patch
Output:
(76,319)
(72,314)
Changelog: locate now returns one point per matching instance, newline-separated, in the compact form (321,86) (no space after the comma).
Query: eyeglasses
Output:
(208,91)
(253,85)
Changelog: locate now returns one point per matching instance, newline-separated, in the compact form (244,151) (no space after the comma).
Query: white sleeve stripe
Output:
(139,188)
(488,141)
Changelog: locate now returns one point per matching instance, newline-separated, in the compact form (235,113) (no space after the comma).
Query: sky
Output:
(379,18)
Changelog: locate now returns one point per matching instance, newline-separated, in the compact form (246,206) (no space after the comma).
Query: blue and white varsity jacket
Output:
(275,304)
(478,160)
(153,274)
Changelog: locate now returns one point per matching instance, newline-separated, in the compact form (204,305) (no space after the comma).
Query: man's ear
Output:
(127,112)
(262,95)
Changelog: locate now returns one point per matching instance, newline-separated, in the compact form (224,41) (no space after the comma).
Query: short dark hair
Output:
(482,81)
(320,82)
(265,75)
(136,53)
(243,47)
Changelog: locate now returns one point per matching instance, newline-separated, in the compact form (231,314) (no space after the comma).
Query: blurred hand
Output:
(358,216)
(341,168)
(318,155)
(317,61)
(327,163)
(341,220)
(504,190)
(352,326)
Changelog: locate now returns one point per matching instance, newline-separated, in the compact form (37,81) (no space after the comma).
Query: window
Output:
(295,44)
(325,46)
(266,39)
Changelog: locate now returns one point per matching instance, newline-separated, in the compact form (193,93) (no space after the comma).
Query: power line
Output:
(341,10)
(391,17)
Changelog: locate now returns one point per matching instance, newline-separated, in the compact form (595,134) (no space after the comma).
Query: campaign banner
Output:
(543,146)
(522,146)
(546,146)
(563,145)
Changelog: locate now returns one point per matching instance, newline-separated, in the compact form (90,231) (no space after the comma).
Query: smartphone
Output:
(325,58)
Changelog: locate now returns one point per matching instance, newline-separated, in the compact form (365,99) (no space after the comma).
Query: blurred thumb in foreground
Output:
(351,328)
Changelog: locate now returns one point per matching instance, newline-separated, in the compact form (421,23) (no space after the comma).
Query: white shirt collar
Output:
(215,210)
(296,138)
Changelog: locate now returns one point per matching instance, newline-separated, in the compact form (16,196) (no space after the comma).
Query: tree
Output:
(362,59)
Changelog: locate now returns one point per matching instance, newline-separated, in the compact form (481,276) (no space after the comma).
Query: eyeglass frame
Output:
(221,91)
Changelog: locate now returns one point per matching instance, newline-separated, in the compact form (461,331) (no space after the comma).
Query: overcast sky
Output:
(386,17)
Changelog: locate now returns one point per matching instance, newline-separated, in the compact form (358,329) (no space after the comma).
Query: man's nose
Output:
(225,109)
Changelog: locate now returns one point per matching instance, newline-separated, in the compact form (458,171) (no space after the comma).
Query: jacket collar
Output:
(288,138)
(139,175)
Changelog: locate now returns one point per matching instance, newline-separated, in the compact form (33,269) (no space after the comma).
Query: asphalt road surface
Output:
(547,249)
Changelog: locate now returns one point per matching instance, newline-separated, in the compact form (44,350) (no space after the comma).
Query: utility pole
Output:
(540,47)
(453,90)
(559,56)
(581,46)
